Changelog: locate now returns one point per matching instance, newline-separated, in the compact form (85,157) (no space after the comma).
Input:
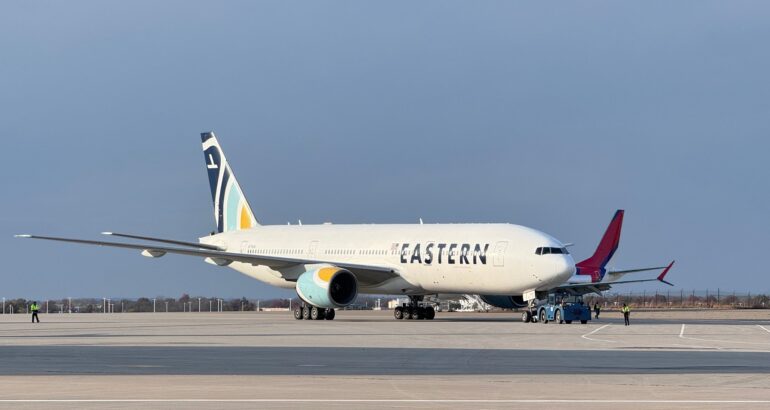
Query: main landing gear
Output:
(414,311)
(308,312)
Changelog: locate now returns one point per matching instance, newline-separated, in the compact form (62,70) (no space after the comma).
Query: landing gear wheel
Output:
(430,313)
(409,314)
(526,316)
(542,317)
(582,322)
(316,313)
(398,313)
(298,312)
(306,312)
(557,317)
(568,322)
(329,314)
(420,312)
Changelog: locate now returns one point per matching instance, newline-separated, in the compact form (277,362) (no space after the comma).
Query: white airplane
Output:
(329,265)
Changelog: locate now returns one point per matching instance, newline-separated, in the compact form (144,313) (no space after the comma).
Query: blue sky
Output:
(550,115)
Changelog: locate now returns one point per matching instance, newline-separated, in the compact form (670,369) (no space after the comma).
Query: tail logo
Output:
(231,210)
(211,164)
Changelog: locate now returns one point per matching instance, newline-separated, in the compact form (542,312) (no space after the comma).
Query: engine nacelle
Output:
(328,287)
(505,302)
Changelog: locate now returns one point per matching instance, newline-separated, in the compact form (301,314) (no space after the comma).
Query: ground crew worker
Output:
(626,313)
(597,310)
(35,308)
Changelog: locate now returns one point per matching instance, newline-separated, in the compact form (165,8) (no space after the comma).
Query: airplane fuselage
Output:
(490,259)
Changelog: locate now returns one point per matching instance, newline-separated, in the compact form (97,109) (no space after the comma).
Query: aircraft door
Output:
(311,251)
(500,248)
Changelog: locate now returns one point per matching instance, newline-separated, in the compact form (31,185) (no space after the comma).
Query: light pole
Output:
(104,305)
(199,305)
(153,305)
(166,306)
(3,305)
(209,305)
(46,307)
(69,302)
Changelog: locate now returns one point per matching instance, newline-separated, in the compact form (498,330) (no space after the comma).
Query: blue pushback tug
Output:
(558,308)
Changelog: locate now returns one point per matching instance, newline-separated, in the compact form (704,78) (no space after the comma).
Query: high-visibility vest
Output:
(625,309)
(35,307)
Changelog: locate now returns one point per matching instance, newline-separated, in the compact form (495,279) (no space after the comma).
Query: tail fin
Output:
(231,210)
(595,265)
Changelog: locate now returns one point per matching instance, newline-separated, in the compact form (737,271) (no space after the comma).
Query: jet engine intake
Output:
(328,287)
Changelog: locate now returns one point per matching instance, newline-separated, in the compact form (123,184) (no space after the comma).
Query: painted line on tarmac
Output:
(681,335)
(585,336)
(492,401)
(764,328)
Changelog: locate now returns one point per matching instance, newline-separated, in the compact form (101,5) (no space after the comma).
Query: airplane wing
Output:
(366,274)
(597,287)
(623,272)
(169,241)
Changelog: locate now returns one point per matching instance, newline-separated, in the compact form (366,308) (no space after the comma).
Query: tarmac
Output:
(367,359)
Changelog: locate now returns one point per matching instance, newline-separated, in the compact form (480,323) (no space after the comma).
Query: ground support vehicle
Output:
(558,308)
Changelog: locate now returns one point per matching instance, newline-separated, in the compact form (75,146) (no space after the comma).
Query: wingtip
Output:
(665,272)
(106,233)
(24,235)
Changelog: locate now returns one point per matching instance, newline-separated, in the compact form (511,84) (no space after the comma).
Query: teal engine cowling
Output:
(328,287)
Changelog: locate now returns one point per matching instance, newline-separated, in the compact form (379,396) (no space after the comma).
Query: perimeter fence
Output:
(683,299)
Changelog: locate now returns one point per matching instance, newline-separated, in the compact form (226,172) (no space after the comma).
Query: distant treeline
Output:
(185,303)
(703,299)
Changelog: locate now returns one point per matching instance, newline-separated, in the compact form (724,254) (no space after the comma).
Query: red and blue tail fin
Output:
(596,264)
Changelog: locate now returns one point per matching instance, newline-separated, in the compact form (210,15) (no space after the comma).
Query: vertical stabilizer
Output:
(596,264)
(231,210)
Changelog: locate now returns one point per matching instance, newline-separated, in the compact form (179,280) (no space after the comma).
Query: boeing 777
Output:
(329,265)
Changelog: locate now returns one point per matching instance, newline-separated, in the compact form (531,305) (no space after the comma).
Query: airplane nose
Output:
(564,268)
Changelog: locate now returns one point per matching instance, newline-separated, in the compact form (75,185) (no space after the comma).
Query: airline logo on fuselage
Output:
(443,253)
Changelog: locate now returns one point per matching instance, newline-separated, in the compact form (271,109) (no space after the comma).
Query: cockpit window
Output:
(548,251)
